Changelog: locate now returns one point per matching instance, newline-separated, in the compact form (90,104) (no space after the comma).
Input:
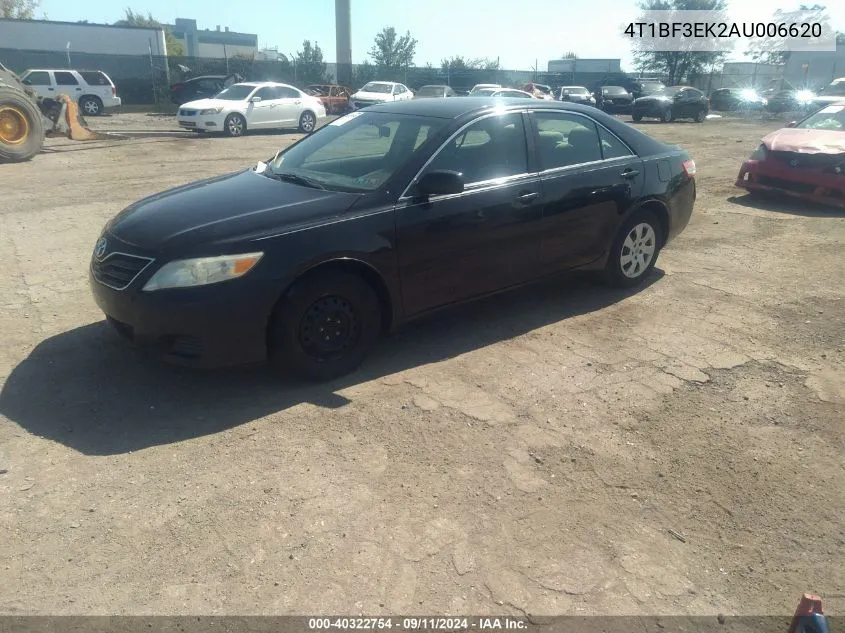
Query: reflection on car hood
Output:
(206,103)
(806,141)
(373,96)
(230,207)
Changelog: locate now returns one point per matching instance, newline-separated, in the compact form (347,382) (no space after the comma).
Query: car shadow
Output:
(784,204)
(90,391)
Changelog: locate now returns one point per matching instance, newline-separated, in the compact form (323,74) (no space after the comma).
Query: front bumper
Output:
(218,325)
(207,122)
(812,185)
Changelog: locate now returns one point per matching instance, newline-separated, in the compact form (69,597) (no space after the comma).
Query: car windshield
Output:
(238,92)
(829,118)
(652,88)
(358,152)
(668,92)
(485,91)
(377,87)
(430,91)
(835,90)
(613,90)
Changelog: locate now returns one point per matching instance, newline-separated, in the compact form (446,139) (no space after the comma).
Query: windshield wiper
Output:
(287,176)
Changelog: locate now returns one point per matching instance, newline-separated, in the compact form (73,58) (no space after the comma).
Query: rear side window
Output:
(612,147)
(65,78)
(287,93)
(210,84)
(38,78)
(95,78)
(564,139)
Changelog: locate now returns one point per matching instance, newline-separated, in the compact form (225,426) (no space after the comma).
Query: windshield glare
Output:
(374,87)
(613,90)
(829,118)
(238,92)
(358,152)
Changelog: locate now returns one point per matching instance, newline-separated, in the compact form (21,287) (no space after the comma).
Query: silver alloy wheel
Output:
(667,116)
(307,122)
(91,107)
(638,250)
(236,125)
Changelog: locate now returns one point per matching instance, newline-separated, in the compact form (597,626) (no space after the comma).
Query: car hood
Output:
(806,141)
(207,103)
(373,96)
(238,206)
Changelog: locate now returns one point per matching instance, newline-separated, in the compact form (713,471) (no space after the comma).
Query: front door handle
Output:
(630,173)
(527,197)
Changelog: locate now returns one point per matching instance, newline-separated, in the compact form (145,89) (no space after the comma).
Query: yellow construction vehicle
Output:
(25,119)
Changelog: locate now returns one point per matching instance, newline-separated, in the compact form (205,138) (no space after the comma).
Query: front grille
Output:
(183,112)
(118,270)
(799,160)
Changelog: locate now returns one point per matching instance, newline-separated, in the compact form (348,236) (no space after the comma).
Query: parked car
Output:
(834,92)
(478,87)
(670,104)
(253,106)
(382,216)
(507,93)
(93,90)
(645,87)
(577,94)
(728,99)
(804,160)
(427,92)
(380,92)
(202,87)
(539,91)
(614,99)
(790,101)
(333,97)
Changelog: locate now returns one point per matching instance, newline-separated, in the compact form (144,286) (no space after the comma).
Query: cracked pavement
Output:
(526,454)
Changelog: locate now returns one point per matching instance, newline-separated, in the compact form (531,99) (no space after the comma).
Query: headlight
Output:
(759,153)
(184,273)
(211,111)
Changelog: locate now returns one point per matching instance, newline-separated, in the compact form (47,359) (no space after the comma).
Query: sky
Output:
(520,34)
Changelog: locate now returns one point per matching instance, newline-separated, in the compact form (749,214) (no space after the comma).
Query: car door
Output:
(67,84)
(265,113)
(42,83)
(290,107)
(686,103)
(454,247)
(589,178)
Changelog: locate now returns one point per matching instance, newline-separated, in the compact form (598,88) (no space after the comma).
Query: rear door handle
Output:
(630,173)
(527,197)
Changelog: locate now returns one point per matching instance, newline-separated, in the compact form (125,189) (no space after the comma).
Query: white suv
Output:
(92,89)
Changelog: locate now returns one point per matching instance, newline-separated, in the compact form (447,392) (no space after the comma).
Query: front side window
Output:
(564,139)
(38,78)
(491,148)
(358,152)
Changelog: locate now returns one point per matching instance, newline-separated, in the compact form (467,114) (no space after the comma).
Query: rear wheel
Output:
(235,125)
(634,251)
(91,106)
(637,118)
(325,326)
(21,128)
(307,122)
(701,116)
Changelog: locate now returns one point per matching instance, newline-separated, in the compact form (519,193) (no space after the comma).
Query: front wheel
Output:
(667,115)
(235,125)
(307,122)
(634,251)
(637,118)
(701,116)
(325,326)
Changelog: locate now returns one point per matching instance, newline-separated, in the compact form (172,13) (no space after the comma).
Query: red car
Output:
(805,160)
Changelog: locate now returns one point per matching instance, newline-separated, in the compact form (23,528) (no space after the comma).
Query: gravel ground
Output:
(526,454)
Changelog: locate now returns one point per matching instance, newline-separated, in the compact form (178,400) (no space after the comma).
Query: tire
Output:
(640,234)
(234,125)
(667,115)
(701,116)
(90,106)
(307,122)
(21,127)
(637,118)
(345,305)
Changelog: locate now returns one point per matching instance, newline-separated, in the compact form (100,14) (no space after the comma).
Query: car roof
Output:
(434,86)
(205,77)
(378,81)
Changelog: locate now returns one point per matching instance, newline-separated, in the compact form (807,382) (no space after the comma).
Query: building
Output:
(214,44)
(576,66)
(814,69)
(80,37)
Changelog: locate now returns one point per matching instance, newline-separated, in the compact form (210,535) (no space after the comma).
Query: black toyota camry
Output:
(381,216)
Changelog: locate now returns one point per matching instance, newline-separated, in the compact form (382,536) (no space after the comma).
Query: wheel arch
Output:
(659,208)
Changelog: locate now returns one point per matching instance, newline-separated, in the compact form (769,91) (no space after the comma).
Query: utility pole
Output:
(343,36)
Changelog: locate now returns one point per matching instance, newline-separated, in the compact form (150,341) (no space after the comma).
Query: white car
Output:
(833,93)
(503,93)
(477,87)
(380,92)
(93,90)
(253,106)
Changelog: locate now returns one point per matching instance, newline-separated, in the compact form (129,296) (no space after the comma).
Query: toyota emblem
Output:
(100,248)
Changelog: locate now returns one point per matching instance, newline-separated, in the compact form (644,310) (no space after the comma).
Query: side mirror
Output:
(792,124)
(255,100)
(440,183)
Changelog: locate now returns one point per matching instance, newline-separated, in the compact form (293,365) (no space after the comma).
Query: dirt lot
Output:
(526,454)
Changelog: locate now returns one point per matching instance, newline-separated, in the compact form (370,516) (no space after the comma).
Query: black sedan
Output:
(614,99)
(677,102)
(381,216)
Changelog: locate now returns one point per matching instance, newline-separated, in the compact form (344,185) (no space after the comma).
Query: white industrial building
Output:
(80,37)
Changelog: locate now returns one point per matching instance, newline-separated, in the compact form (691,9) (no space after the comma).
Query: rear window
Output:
(95,78)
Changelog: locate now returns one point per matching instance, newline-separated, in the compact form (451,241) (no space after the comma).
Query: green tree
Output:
(763,56)
(362,74)
(310,67)
(132,18)
(569,55)
(392,52)
(680,64)
(18,9)
(459,63)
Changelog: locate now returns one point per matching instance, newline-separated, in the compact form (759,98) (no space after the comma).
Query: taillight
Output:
(689,167)
(113,91)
